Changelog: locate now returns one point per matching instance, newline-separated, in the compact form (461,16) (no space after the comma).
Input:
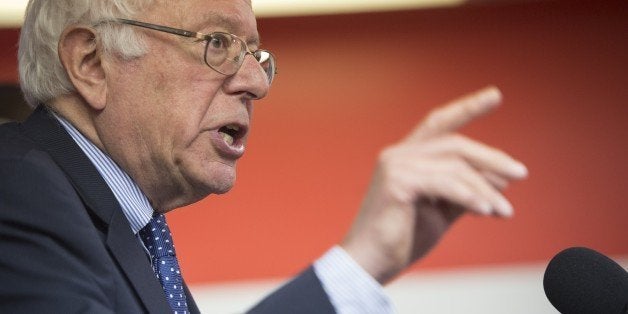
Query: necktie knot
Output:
(157,237)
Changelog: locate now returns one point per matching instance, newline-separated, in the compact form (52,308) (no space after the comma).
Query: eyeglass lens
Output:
(225,54)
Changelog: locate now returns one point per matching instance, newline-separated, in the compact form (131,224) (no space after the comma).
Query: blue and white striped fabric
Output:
(350,288)
(134,203)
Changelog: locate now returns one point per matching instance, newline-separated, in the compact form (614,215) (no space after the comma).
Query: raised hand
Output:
(422,184)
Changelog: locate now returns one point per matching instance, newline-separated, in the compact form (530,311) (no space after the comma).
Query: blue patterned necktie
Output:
(158,240)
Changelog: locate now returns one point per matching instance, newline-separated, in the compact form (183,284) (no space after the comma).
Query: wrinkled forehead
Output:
(233,16)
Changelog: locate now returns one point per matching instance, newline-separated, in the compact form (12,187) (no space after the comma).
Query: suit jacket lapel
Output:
(44,129)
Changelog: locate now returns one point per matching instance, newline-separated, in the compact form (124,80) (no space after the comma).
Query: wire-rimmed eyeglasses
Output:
(224,52)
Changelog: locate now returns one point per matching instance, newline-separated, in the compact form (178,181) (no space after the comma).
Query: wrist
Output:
(379,265)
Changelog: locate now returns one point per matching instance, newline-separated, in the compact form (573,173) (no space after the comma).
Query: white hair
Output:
(42,77)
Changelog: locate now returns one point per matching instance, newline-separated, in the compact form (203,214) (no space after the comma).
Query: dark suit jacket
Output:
(66,246)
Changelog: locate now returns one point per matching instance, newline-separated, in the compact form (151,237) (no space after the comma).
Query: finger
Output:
(451,181)
(496,181)
(481,156)
(449,189)
(484,190)
(458,113)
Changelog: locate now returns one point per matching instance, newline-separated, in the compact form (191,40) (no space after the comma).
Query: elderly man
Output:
(144,106)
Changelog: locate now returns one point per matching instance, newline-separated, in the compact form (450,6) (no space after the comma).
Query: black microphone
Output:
(582,281)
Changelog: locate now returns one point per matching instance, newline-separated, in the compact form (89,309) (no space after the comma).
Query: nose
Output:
(250,80)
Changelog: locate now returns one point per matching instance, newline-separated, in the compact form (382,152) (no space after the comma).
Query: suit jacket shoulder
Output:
(55,253)
(70,248)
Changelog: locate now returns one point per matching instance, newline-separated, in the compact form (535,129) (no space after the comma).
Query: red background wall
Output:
(351,84)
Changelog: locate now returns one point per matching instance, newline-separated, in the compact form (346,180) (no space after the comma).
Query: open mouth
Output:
(232,134)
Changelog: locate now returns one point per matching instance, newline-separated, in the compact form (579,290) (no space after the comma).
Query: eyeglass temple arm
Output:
(166,29)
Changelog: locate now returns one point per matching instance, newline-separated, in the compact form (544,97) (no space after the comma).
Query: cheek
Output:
(195,144)
(182,104)
(202,168)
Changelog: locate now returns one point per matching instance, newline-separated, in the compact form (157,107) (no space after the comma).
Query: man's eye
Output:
(219,42)
(215,43)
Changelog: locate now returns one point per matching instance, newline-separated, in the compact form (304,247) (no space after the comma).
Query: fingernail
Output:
(505,208)
(491,94)
(520,170)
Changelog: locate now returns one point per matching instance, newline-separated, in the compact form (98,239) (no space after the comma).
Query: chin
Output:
(199,190)
(200,178)
(216,180)
(222,187)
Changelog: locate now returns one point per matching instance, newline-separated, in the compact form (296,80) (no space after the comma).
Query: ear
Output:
(81,56)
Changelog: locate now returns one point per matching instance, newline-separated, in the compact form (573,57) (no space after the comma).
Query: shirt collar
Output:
(134,203)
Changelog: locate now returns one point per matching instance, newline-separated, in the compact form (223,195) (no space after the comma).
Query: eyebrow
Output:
(230,24)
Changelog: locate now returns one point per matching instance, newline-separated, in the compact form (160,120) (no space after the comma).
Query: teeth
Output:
(227,138)
(233,127)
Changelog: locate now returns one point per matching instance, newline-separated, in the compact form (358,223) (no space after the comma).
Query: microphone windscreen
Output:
(581,281)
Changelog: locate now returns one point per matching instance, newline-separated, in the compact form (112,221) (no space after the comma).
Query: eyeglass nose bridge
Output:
(258,57)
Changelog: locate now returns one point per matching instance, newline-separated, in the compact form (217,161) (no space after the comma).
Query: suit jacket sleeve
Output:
(303,295)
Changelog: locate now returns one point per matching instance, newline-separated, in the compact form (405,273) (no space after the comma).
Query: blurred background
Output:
(352,82)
